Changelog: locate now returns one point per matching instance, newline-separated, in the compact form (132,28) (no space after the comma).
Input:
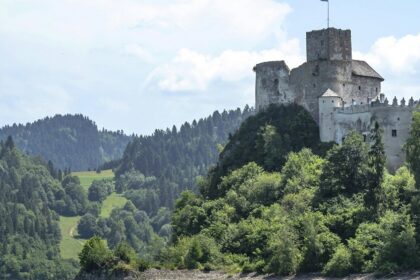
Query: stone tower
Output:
(328,44)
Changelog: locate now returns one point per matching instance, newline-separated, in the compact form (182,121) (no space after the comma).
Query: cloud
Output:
(100,56)
(398,55)
(398,61)
(193,71)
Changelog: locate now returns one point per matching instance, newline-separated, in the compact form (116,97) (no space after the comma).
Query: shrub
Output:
(123,252)
(95,255)
(340,263)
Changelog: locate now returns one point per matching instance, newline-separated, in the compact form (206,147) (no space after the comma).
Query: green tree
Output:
(345,169)
(87,226)
(412,148)
(95,255)
(125,253)
(376,164)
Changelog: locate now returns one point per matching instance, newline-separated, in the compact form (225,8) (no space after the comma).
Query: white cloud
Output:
(100,51)
(398,61)
(396,55)
(190,70)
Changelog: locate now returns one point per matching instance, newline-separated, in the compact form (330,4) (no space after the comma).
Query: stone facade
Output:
(340,93)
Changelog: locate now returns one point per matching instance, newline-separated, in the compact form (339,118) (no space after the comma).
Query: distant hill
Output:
(68,141)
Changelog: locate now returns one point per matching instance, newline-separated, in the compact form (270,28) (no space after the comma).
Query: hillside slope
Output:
(68,141)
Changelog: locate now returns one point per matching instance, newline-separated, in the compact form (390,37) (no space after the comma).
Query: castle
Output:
(340,93)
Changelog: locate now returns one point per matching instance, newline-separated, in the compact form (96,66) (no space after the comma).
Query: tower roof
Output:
(330,93)
(362,68)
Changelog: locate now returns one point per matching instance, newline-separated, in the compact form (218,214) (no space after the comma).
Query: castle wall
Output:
(355,118)
(399,119)
(394,120)
(272,84)
(360,89)
(310,80)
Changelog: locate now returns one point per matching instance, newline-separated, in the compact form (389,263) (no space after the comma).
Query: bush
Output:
(340,264)
(285,255)
(95,255)
(100,189)
(123,252)
(87,226)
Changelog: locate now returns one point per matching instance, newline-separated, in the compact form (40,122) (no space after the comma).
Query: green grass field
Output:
(114,200)
(87,177)
(70,245)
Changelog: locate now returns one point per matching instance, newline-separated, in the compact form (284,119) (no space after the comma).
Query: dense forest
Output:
(298,208)
(30,199)
(69,141)
(153,172)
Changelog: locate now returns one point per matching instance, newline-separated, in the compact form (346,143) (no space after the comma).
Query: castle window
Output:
(276,82)
(322,42)
(332,101)
(323,101)
(364,137)
(394,133)
(314,85)
(376,89)
(398,119)
(344,85)
(360,88)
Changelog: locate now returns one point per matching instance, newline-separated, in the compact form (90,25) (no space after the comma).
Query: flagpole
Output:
(328,15)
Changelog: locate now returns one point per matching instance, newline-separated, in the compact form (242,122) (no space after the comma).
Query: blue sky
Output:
(138,65)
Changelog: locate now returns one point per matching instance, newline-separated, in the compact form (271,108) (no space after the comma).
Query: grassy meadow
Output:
(70,244)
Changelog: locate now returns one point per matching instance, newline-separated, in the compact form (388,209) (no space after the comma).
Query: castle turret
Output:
(327,103)
(272,84)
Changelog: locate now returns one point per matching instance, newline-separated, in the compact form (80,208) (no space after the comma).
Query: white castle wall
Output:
(394,120)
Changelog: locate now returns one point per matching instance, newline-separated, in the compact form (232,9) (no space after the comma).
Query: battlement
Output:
(328,44)
(379,103)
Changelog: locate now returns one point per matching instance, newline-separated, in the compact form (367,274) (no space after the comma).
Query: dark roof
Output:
(361,68)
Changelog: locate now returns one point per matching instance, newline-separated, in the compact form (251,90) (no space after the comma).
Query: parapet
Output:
(379,103)
(275,65)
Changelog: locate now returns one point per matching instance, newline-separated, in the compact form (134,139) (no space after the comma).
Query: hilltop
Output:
(68,141)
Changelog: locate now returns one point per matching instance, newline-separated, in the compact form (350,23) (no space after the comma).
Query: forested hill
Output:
(68,141)
(178,156)
(30,199)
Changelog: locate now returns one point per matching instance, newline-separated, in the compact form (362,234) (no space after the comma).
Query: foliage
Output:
(412,148)
(285,210)
(266,139)
(68,141)
(29,228)
(340,264)
(95,255)
(100,189)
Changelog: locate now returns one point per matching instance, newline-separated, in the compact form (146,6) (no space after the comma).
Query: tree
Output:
(376,164)
(345,169)
(125,253)
(100,189)
(95,255)
(87,226)
(412,148)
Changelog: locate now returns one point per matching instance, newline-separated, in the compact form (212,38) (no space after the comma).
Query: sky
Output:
(141,65)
